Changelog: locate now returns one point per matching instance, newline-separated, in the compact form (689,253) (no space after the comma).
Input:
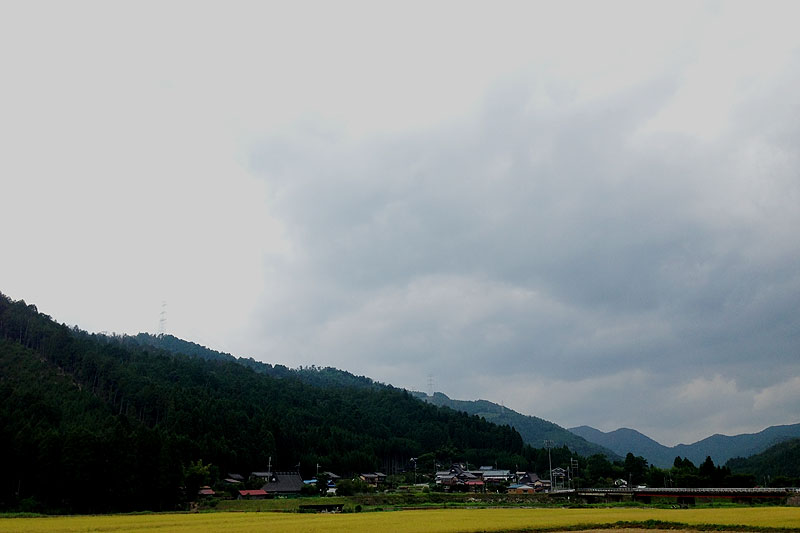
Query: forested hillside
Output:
(776,466)
(533,430)
(91,423)
(314,375)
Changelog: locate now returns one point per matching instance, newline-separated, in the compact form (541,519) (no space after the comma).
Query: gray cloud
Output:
(564,244)
(591,218)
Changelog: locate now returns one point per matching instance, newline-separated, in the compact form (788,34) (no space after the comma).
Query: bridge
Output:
(686,496)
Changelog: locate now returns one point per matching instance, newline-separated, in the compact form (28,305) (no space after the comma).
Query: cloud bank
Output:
(584,211)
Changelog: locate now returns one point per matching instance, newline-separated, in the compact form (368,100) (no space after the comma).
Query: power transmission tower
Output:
(430,385)
(162,321)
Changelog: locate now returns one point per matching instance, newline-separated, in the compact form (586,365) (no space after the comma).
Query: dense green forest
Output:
(313,375)
(91,423)
(778,466)
(534,431)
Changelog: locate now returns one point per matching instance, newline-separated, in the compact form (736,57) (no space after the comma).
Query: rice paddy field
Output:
(418,521)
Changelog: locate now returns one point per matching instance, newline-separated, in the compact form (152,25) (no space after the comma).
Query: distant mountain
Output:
(722,447)
(534,430)
(719,447)
(782,459)
(624,440)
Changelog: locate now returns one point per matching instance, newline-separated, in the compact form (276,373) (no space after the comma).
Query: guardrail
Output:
(681,490)
(688,496)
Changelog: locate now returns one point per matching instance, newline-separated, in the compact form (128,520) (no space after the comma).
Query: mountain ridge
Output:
(534,430)
(719,447)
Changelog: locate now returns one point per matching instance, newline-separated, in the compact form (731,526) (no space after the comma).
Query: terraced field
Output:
(429,521)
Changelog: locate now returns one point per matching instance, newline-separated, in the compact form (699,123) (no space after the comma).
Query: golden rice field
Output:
(428,521)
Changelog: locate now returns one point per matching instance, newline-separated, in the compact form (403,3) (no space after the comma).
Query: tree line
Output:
(635,470)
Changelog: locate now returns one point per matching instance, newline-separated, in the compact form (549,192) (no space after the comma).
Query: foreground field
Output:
(431,521)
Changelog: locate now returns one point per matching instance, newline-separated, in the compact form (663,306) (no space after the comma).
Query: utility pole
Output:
(549,444)
(573,463)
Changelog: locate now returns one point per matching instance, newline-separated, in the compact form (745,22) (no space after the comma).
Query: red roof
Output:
(475,482)
(253,492)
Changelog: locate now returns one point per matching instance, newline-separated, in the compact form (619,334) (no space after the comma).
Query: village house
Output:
(333,477)
(205,492)
(261,476)
(459,478)
(521,489)
(252,494)
(493,476)
(283,483)
(528,483)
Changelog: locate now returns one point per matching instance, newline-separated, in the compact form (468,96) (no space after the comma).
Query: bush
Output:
(30,505)
(349,487)
(309,490)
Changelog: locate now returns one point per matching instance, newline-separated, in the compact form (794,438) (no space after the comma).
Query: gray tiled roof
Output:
(284,482)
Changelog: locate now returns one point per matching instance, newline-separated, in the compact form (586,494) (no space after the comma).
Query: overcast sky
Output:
(587,211)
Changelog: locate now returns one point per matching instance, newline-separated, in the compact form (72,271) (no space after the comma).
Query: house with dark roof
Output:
(528,478)
(459,478)
(532,480)
(283,483)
